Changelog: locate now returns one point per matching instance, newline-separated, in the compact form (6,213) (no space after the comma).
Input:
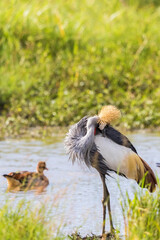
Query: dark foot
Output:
(108,236)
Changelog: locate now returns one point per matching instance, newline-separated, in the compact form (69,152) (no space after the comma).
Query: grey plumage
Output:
(80,145)
(79,140)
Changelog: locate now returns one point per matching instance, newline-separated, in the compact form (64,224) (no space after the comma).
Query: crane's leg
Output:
(106,201)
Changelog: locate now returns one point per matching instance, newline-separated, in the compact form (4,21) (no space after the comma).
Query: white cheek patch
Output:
(102,126)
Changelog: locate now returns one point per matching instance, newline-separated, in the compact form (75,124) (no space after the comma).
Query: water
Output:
(74,191)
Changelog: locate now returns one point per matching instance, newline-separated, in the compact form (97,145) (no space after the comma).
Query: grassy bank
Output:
(144,217)
(23,221)
(61,60)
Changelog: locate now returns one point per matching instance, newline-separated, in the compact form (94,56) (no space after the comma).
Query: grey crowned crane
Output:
(96,143)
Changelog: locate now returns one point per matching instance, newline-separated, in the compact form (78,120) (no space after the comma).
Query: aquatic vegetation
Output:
(22,221)
(143,217)
(56,67)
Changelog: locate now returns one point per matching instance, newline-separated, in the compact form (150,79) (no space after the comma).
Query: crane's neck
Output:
(88,141)
(90,133)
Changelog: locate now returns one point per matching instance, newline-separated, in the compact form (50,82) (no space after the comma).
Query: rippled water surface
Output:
(74,191)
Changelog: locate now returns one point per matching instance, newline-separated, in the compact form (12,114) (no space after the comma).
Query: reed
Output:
(23,221)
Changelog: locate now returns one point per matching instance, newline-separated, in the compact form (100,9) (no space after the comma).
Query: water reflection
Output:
(74,193)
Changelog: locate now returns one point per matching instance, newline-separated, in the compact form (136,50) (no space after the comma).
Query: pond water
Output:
(74,191)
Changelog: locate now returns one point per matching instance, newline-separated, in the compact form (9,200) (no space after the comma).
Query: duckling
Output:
(20,181)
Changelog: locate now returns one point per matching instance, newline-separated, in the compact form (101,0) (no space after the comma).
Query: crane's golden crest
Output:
(108,114)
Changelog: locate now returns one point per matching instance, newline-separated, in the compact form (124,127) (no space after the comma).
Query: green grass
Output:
(61,60)
(143,217)
(23,221)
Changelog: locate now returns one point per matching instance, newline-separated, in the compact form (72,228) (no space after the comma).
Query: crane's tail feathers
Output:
(149,179)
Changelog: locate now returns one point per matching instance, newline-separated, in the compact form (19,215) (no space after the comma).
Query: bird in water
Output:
(96,143)
(22,181)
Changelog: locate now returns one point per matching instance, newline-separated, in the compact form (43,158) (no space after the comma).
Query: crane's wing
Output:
(121,156)
(117,137)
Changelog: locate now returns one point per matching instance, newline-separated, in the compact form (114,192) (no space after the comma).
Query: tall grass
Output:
(23,221)
(144,217)
(60,60)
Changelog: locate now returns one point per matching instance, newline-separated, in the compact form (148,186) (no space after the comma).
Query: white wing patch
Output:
(115,155)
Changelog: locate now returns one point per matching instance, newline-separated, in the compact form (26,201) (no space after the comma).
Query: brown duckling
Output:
(25,180)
